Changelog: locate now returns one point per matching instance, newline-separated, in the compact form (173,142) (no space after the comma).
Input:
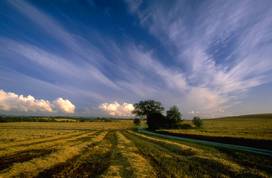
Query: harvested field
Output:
(115,151)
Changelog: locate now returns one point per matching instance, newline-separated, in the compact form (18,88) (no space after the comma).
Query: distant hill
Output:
(248,116)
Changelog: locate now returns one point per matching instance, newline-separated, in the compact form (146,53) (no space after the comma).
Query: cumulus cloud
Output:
(11,102)
(117,109)
(64,105)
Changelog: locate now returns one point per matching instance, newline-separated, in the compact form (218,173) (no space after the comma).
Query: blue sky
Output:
(94,58)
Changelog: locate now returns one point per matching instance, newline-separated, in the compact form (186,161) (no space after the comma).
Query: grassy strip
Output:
(33,167)
(192,166)
(258,143)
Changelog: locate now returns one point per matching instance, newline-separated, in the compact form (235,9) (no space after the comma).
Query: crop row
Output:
(124,154)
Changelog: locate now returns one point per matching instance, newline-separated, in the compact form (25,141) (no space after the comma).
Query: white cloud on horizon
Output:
(11,102)
(117,109)
(63,105)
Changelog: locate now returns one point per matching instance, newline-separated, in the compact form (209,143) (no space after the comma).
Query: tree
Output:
(197,122)
(173,117)
(156,120)
(152,110)
(143,108)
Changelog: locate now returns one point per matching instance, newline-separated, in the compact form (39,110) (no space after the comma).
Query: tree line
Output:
(153,112)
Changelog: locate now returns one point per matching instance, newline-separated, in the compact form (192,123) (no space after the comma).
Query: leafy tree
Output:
(152,110)
(156,120)
(143,108)
(197,122)
(173,117)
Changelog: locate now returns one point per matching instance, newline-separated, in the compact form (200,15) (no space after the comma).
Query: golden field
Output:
(113,149)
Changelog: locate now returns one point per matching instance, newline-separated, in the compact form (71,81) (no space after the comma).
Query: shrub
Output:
(185,126)
(197,122)
(173,117)
(137,121)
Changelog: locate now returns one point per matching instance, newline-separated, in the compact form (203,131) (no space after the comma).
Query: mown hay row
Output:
(119,166)
(219,159)
(39,141)
(45,149)
(92,161)
(11,136)
(140,166)
(33,167)
(160,159)
(7,161)
(43,145)
(192,166)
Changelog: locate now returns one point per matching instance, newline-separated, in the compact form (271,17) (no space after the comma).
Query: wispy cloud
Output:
(211,81)
(200,56)
(86,54)
(55,63)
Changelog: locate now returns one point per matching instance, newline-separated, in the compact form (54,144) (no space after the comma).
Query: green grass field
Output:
(114,149)
(251,126)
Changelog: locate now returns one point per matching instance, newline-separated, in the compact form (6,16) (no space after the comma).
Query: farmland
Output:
(248,126)
(114,149)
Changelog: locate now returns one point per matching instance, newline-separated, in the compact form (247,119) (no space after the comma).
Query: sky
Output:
(98,57)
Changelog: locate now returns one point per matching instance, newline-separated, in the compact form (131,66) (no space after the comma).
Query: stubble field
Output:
(114,149)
